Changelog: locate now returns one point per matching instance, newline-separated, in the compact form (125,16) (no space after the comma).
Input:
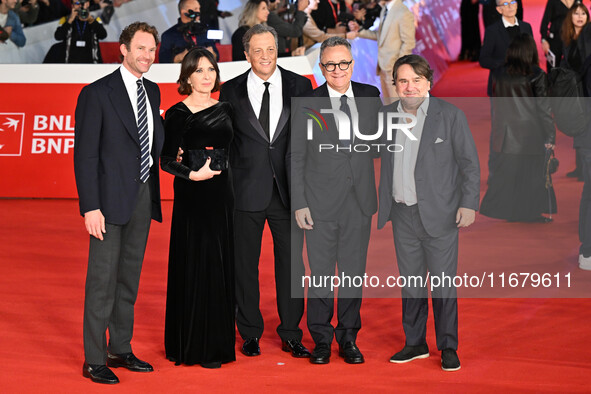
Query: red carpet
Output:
(511,345)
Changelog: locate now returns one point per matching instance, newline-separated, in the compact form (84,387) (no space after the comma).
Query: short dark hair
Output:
(129,32)
(419,64)
(190,64)
(334,41)
(181,4)
(258,29)
(522,55)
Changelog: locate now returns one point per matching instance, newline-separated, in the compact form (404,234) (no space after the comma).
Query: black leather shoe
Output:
(351,353)
(129,361)
(296,348)
(449,360)
(99,374)
(251,348)
(321,354)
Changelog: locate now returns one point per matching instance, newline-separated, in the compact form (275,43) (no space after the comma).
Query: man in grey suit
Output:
(428,191)
(334,198)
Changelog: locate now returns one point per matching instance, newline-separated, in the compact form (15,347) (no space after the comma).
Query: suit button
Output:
(137,157)
(271,147)
(135,179)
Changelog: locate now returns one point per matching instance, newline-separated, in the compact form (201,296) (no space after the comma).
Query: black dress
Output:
(200,296)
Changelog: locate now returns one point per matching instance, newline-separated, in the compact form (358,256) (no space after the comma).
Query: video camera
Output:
(194,29)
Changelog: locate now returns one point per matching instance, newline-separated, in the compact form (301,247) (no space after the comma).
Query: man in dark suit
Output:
(261,98)
(428,190)
(118,140)
(334,198)
(499,35)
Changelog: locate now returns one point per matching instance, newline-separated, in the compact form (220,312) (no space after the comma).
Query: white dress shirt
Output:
(403,182)
(130,82)
(255,87)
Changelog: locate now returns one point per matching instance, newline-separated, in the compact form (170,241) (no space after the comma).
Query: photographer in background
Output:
(28,11)
(288,30)
(80,34)
(50,10)
(189,32)
(332,16)
(10,24)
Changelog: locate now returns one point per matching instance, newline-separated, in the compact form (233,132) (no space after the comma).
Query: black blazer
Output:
(322,180)
(107,149)
(257,162)
(495,45)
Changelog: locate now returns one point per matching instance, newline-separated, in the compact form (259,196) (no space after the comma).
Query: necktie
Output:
(264,114)
(142,127)
(345,108)
(383,19)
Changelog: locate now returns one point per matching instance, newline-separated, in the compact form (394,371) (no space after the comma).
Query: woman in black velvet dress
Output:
(200,297)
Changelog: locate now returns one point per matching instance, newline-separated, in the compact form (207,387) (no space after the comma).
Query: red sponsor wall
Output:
(37,104)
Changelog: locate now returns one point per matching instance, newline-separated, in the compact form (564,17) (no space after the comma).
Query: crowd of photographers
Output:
(299,24)
(78,30)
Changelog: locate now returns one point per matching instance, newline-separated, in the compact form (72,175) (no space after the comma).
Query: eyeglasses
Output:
(343,66)
(508,3)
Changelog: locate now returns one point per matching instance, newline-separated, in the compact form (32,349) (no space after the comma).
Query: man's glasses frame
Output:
(343,66)
(507,3)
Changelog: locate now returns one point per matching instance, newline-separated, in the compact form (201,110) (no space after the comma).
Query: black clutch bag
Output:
(195,159)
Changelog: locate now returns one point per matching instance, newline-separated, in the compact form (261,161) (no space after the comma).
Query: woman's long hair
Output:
(568,33)
(522,55)
(249,13)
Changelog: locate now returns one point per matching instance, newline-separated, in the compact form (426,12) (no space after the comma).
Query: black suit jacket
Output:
(323,179)
(107,149)
(255,161)
(495,45)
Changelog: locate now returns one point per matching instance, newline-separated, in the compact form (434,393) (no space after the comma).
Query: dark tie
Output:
(383,19)
(264,114)
(142,127)
(345,108)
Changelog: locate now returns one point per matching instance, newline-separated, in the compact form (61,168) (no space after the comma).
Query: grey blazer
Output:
(447,173)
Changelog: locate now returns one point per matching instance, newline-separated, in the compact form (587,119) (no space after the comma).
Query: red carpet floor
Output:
(506,344)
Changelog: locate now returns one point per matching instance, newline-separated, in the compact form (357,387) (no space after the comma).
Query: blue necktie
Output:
(142,127)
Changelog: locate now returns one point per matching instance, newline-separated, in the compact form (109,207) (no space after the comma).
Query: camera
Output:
(192,28)
(83,13)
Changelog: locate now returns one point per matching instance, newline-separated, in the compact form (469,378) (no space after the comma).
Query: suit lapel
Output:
(287,85)
(246,106)
(430,127)
(385,23)
(120,100)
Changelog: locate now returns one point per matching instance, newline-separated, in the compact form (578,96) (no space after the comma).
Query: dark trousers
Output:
(341,243)
(585,206)
(417,252)
(112,282)
(248,234)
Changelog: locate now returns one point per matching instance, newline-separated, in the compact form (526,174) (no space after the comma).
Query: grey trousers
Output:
(112,282)
(417,252)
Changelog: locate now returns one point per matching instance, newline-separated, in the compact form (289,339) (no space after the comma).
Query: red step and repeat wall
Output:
(37,104)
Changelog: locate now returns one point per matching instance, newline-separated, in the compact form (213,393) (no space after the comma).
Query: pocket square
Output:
(438,140)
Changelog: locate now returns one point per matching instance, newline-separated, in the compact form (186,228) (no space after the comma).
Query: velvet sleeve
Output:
(174,129)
